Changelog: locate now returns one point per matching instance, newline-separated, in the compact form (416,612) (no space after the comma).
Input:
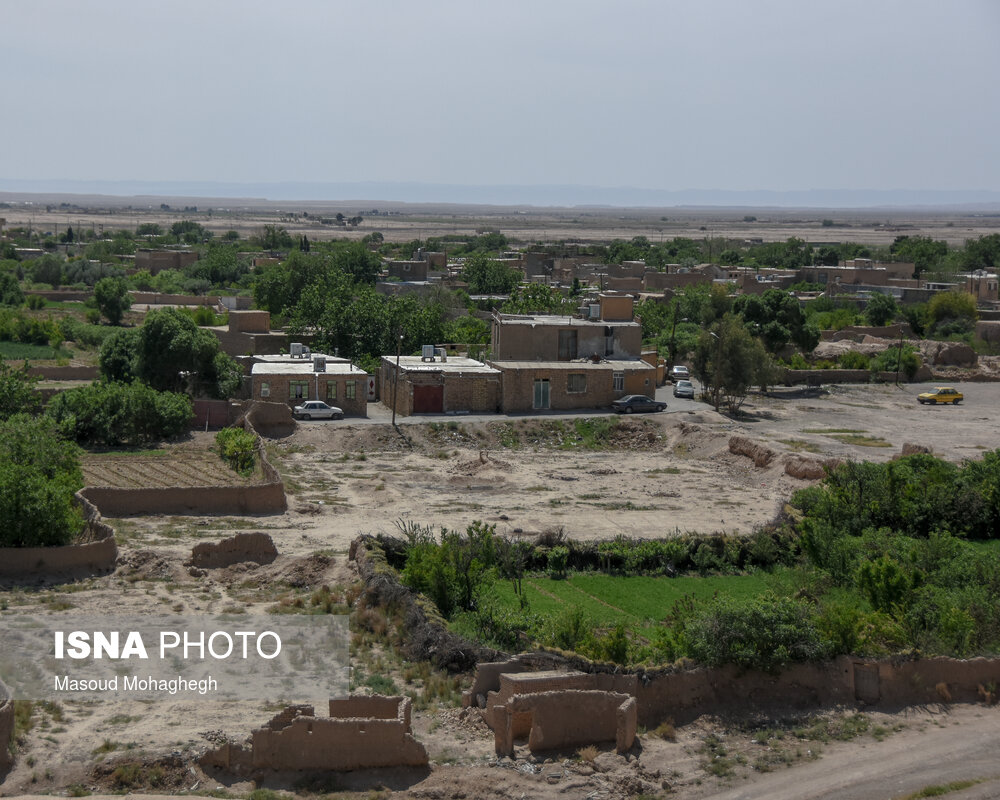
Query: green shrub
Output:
(762,633)
(852,359)
(113,413)
(557,560)
(39,473)
(238,448)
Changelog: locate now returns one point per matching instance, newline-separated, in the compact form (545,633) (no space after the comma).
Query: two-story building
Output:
(561,362)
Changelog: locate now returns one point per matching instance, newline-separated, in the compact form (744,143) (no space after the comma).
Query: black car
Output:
(637,402)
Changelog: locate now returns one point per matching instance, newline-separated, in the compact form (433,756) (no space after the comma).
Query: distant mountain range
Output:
(561,196)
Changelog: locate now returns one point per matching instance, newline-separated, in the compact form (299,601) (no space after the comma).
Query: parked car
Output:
(637,402)
(317,409)
(678,372)
(684,389)
(941,394)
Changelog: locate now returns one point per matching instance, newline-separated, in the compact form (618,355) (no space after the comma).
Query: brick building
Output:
(439,384)
(293,380)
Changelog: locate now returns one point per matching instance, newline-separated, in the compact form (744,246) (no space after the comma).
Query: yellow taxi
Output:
(941,394)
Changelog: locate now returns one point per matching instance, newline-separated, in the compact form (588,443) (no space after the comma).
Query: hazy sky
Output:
(665,94)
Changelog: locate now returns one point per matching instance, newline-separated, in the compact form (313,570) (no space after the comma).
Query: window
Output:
(567,345)
(298,390)
(541,395)
(331,390)
(265,389)
(618,381)
(349,390)
(576,383)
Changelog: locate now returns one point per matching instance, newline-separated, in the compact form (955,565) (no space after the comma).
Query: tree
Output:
(728,360)
(47,269)
(39,474)
(538,298)
(10,290)
(112,298)
(17,391)
(881,309)
(117,356)
(776,317)
(486,275)
(926,254)
(174,354)
(111,413)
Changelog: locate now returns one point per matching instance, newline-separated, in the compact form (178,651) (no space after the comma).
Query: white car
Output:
(684,389)
(679,372)
(317,409)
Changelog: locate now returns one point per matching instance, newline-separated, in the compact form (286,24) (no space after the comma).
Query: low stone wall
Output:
(256,547)
(361,732)
(94,554)
(6,727)
(565,719)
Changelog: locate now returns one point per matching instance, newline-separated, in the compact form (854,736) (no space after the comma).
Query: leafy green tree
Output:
(981,253)
(881,309)
(537,298)
(47,269)
(951,306)
(39,474)
(118,353)
(926,254)
(219,266)
(763,633)
(110,413)
(174,354)
(149,229)
(777,318)
(486,275)
(10,291)
(728,360)
(17,391)
(273,237)
(112,298)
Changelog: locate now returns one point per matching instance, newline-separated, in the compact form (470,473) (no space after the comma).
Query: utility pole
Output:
(395,381)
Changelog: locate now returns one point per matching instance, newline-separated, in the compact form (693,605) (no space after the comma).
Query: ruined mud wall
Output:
(571,718)
(361,732)
(6,727)
(93,553)
(256,547)
(336,744)
(686,694)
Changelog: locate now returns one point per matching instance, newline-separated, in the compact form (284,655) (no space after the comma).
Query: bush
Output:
(852,359)
(113,413)
(39,473)
(238,448)
(762,633)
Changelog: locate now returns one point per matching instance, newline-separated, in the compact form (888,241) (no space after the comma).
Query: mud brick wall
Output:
(96,553)
(911,682)
(374,707)
(267,498)
(563,719)
(256,547)
(6,727)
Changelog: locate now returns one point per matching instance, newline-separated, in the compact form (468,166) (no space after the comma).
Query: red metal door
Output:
(428,399)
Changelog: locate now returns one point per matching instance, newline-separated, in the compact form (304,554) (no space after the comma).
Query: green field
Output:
(34,352)
(608,599)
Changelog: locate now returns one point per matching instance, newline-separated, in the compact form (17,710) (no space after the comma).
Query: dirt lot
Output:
(665,472)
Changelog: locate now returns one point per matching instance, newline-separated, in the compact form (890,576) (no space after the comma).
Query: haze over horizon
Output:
(718,102)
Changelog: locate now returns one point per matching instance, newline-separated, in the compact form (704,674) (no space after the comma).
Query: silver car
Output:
(317,409)
(679,372)
(684,389)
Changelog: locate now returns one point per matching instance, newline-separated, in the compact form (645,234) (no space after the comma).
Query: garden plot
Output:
(133,472)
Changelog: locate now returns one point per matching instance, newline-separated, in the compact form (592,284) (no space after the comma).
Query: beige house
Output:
(292,380)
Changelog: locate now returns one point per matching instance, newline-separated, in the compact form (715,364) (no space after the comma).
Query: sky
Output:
(661,94)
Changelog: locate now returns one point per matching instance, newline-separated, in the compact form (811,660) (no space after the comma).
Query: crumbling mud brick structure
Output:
(255,547)
(555,709)
(360,732)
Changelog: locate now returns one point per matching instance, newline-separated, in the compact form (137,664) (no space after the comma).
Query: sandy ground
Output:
(668,472)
